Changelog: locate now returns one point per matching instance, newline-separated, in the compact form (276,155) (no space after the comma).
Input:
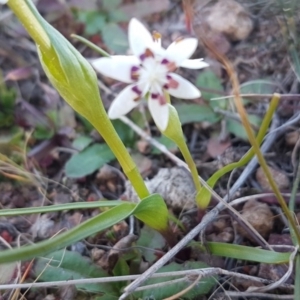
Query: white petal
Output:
(117,67)
(181,50)
(3,1)
(159,112)
(194,64)
(139,37)
(185,89)
(123,103)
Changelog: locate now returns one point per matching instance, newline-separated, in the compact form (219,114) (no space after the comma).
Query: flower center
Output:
(153,74)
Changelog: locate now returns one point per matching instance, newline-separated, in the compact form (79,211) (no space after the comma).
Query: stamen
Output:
(154,96)
(148,53)
(156,36)
(136,90)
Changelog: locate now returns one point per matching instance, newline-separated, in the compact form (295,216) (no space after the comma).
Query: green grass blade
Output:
(87,228)
(248,253)
(58,207)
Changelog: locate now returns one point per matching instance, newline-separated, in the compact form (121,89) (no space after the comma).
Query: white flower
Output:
(149,72)
(3,1)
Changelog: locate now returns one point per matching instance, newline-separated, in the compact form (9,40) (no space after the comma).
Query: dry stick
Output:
(283,279)
(259,96)
(181,293)
(207,272)
(206,219)
(240,295)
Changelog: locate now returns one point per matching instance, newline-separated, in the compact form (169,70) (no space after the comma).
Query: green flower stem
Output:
(181,143)
(76,81)
(112,139)
(175,133)
(30,22)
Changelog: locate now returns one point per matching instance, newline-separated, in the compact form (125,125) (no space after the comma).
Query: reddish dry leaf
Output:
(108,261)
(215,147)
(20,74)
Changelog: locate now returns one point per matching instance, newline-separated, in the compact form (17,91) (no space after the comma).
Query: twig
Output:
(282,279)
(259,96)
(207,272)
(241,295)
(181,293)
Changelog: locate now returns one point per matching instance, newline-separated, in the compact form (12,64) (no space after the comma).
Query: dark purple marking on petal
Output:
(136,90)
(154,96)
(162,100)
(171,66)
(165,61)
(146,54)
(134,73)
(142,57)
(172,83)
(160,97)
(165,86)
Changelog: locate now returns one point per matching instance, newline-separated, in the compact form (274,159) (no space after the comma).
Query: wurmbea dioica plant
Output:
(76,81)
(150,73)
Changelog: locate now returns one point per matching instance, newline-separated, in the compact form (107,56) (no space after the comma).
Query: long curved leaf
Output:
(87,228)
(248,253)
(153,212)
(58,207)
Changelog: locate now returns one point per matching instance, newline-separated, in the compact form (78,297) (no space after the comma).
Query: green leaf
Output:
(202,288)
(153,211)
(210,81)
(88,161)
(246,253)
(121,269)
(115,38)
(82,231)
(59,207)
(152,239)
(93,21)
(82,142)
(259,86)
(11,139)
(189,113)
(66,265)
(118,16)
(166,142)
(235,127)
(111,4)
(43,132)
